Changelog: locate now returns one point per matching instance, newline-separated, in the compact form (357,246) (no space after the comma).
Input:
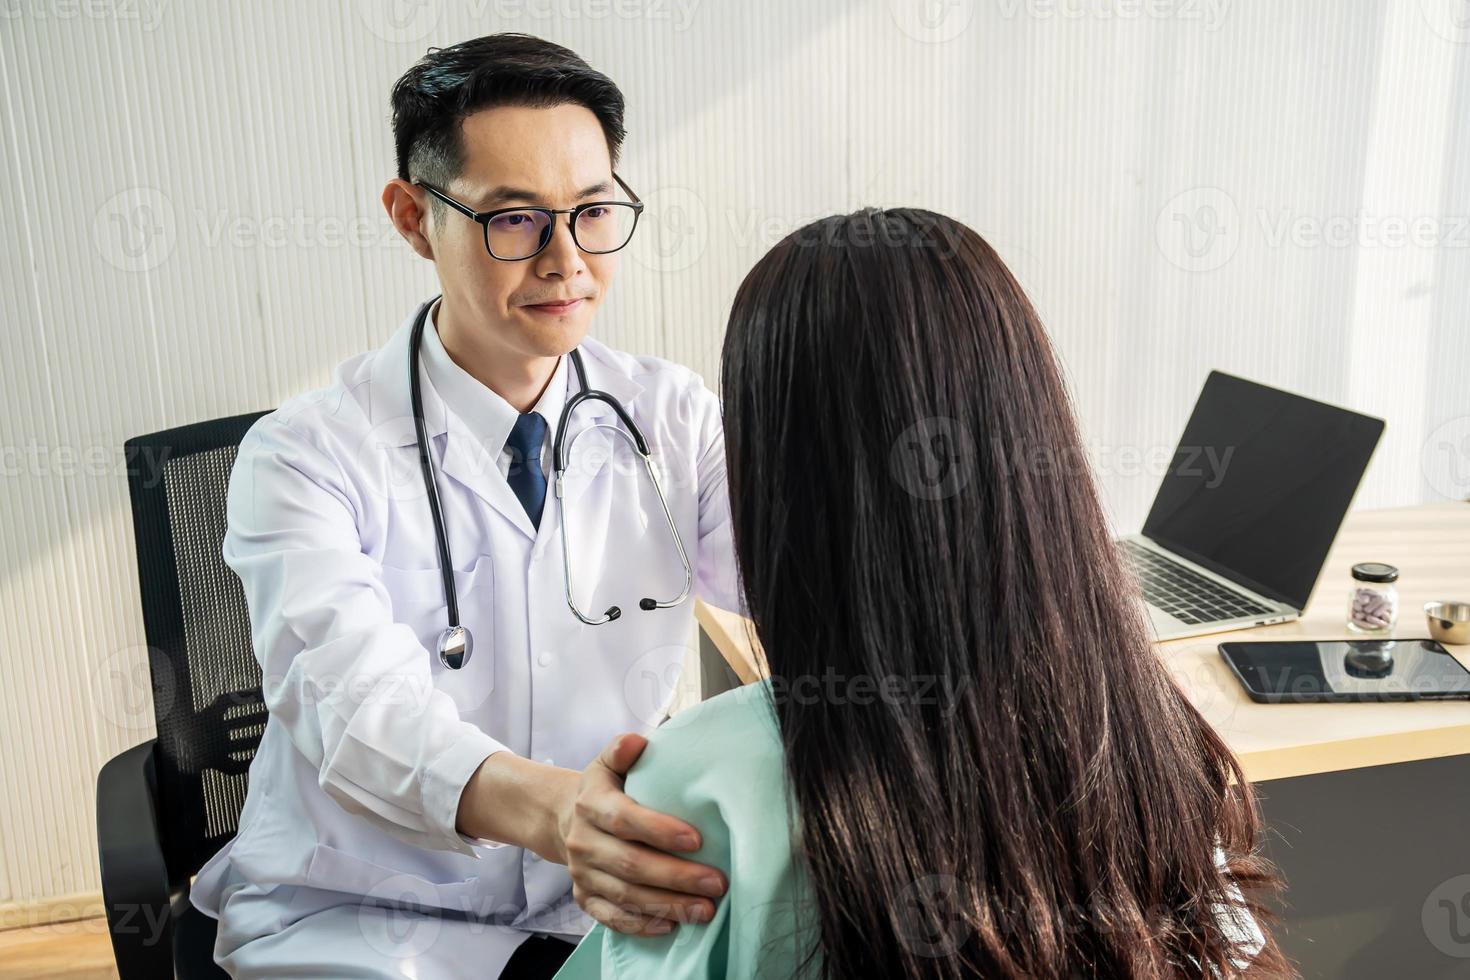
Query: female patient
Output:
(966,760)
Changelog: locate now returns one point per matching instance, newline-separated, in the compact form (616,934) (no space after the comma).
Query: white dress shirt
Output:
(489,417)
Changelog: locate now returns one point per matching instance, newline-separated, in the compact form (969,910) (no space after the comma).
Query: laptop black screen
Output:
(1260,483)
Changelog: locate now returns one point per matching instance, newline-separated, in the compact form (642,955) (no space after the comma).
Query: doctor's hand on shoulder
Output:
(619,853)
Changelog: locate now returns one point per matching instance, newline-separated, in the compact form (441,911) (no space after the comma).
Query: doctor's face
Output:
(514,155)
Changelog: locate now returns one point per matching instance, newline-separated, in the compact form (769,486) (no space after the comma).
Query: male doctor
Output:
(406,818)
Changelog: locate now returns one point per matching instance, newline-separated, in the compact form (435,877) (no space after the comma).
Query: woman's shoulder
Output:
(734,704)
(744,715)
(720,766)
(731,736)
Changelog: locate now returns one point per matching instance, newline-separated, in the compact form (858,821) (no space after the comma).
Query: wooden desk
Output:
(1430,544)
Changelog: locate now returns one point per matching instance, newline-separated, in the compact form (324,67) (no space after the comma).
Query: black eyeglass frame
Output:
(483,218)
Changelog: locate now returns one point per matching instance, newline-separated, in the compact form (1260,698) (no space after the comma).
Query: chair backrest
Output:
(206,681)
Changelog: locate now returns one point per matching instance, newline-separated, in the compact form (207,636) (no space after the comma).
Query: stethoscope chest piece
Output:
(455,644)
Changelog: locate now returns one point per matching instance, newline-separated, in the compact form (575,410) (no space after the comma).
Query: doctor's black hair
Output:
(432,99)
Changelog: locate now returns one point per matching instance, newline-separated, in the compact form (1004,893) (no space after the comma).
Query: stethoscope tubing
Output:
(455,643)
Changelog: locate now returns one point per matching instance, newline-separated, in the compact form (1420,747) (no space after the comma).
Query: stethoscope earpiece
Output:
(455,643)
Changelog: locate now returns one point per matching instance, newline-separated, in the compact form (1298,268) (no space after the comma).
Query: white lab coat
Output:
(370,739)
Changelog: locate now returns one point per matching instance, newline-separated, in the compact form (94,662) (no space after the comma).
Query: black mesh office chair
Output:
(163,807)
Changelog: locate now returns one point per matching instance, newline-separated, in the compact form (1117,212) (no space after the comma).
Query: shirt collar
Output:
(488,416)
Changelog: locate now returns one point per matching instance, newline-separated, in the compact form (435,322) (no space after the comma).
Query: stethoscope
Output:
(455,642)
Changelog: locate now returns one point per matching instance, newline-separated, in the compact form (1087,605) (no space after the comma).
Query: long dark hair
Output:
(991,773)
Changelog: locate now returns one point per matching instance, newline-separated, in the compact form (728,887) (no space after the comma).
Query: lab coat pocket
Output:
(417,596)
(412,587)
(334,870)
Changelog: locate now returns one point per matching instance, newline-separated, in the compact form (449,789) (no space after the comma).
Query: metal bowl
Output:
(1449,622)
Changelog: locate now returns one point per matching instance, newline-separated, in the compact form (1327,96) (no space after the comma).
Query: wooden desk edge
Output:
(720,625)
(1369,750)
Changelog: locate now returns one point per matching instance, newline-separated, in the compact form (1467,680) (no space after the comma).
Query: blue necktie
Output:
(524,476)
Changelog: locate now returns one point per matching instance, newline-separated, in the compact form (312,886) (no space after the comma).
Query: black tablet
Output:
(1347,670)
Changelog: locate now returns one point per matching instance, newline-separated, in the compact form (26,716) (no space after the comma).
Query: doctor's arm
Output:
(617,851)
(352,686)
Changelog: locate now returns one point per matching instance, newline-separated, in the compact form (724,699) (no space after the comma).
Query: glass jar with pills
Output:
(1373,601)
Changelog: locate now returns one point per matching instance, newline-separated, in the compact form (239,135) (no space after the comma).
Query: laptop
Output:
(1253,498)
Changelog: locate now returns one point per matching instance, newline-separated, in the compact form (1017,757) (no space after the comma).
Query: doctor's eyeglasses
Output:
(512,234)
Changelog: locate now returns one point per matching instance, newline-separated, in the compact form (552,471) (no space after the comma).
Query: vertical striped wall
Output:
(190,228)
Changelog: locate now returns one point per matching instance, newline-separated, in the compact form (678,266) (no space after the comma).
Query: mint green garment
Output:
(720,766)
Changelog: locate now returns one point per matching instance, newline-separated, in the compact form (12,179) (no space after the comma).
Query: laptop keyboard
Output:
(1184,593)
